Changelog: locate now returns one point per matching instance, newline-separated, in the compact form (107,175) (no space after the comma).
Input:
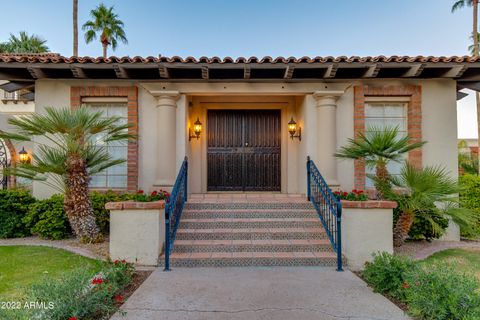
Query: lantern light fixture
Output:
(23,156)
(292,129)
(197,130)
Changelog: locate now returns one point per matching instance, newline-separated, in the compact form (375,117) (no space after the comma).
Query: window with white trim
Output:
(114,177)
(381,115)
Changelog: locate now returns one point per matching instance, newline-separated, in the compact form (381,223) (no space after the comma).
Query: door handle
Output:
(246,144)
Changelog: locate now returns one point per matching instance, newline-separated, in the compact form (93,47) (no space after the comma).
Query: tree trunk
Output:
(104,45)
(75,28)
(77,203)
(381,184)
(475,28)
(402,228)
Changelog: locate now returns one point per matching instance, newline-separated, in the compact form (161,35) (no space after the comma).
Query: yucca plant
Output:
(69,149)
(378,147)
(423,192)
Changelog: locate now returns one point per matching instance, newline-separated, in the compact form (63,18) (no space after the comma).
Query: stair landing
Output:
(221,230)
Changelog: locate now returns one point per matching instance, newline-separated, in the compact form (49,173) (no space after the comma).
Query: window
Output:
(381,115)
(114,177)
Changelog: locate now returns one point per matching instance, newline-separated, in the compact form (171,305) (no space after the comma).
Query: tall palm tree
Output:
(75,27)
(459,4)
(378,147)
(69,157)
(24,43)
(425,192)
(475,48)
(106,23)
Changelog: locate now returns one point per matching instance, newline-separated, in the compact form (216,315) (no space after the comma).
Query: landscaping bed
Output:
(77,287)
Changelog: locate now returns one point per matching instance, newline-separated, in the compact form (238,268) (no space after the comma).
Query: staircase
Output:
(274,230)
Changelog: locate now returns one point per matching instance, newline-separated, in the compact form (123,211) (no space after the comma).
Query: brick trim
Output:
(414,120)
(131,93)
(131,205)
(370,204)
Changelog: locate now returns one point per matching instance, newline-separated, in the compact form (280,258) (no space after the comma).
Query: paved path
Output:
(437,246)
(60,244)
(297,293)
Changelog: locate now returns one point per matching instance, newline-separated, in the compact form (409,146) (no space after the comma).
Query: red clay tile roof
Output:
(55,58)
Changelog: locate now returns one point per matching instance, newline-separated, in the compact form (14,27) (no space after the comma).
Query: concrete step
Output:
(242,223)
(240,259)
(248,213)
(294,245)
(251,234)
(249,205)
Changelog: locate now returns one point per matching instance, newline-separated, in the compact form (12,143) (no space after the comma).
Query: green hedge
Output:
(434,292)
(47,218)
(13,207)
(470,198)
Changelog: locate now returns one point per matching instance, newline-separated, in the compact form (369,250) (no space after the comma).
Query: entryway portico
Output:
(179,105)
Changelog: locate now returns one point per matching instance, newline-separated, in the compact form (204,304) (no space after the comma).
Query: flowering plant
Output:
(354,195)
(155,195)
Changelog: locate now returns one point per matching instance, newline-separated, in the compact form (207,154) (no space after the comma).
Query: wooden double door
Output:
(243,150)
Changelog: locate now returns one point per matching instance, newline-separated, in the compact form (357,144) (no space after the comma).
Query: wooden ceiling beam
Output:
(246,72)
(205,73)
(414,70)
(120,72)
(36,73)
(455,71)
(331,71)
(372,71)
(78,72)
(163,71)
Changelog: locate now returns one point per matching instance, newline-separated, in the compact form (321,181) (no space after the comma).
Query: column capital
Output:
(167,98)
(325,100)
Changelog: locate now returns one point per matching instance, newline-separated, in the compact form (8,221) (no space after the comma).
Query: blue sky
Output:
(260,27)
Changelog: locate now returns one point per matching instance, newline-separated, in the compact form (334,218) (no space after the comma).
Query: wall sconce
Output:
(292,129)
(23,156)
(197,129)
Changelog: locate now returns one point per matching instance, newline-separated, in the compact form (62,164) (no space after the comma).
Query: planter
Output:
(366,229)
(137,231)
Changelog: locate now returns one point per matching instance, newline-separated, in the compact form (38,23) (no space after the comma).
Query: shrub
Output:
(422,227)
(13,207)
(47,218)
(354,195)
(102,215)
(386,274)
(470,198)
(141,196)
(78,294)
(441,293)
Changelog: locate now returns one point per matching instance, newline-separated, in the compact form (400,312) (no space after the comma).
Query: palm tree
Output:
(426,192)
(69,157)
(378,147)
(75,27)
(106,23)
(459,4)
(24,44)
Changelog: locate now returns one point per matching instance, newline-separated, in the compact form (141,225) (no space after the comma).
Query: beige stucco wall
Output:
(137,235)
(364,232)
(438,113)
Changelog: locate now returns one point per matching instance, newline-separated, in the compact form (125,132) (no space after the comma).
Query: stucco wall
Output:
(438,113)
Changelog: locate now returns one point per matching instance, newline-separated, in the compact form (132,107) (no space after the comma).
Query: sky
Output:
(260,27)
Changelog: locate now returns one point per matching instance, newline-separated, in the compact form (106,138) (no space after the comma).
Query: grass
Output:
(21,266)
(465,260)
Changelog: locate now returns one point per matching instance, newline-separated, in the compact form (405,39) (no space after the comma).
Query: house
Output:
(249,124)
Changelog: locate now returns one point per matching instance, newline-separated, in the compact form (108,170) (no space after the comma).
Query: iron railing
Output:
(173,210)
(328,207)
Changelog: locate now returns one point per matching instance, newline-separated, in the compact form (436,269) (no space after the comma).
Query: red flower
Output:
(154,193)
(97,281)
(405,285)
(116,261)
(73,318)
(118,298)
(345,194)
(124,261)
(140,191)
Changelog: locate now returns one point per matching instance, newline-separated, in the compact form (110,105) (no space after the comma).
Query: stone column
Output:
(327,136)
(166,139)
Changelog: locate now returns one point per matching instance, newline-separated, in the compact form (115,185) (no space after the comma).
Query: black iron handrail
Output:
(328,207)
(173,210)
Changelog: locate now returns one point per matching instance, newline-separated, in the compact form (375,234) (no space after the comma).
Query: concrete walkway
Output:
(256,293)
